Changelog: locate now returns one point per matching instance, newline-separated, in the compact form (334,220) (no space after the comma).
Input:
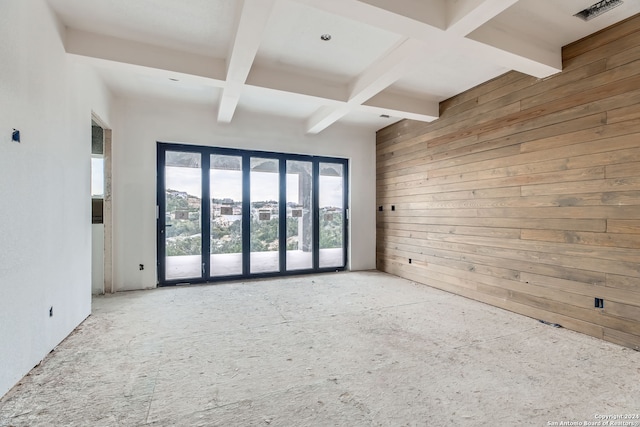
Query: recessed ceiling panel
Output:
(126,83)
(447,73)
(204,27)
(367,120)
(293,40)
(277,103)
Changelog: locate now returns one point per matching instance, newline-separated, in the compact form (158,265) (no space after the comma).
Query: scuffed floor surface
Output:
(343,349)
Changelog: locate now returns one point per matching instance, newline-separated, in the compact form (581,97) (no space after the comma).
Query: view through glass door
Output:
(253,214)
(265,215)
(299,210)
(182,229)
(331,214)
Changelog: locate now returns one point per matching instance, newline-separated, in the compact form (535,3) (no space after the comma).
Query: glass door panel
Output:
(225,177)
(264,206)
(299,215)
(331,215)
(183,207)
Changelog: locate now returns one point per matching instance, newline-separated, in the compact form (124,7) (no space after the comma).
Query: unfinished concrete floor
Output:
(345,349)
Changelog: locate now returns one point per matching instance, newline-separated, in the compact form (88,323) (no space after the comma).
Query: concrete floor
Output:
(344,349)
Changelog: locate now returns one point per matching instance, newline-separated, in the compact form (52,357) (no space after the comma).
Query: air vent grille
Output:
(597,9)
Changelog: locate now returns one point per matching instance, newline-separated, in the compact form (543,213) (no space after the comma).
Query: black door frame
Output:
(246,155)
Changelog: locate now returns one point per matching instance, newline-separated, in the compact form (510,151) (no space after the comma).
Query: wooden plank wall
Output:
(525,194)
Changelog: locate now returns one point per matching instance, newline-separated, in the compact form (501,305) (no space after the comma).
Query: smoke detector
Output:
(598,9)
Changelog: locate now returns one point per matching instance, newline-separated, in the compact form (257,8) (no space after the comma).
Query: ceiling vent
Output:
(597,9)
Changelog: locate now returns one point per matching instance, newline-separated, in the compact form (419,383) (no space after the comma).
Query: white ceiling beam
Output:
(394,104)
(326,116)
(387,70)
(251,25)
(229,102)
(465,16)
(114,49)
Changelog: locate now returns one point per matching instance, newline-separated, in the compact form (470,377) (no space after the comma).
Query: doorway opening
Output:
(101,219)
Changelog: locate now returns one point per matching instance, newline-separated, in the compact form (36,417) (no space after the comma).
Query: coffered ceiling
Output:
(396,58)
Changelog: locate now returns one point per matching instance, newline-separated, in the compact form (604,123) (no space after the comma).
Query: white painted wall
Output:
(138,124)
(45,204)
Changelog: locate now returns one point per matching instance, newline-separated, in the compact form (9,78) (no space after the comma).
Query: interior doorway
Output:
(101,218)
(226,213)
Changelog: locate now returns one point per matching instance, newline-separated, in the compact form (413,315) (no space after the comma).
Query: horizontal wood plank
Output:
(629,226)
(631,241)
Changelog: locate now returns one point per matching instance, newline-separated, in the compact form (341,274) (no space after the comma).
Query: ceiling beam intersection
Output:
(254,17)
(385,71)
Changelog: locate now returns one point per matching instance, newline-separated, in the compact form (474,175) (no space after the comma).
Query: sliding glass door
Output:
(182,228)
(299,184)
(225,187)
(253,214)
(265,215)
